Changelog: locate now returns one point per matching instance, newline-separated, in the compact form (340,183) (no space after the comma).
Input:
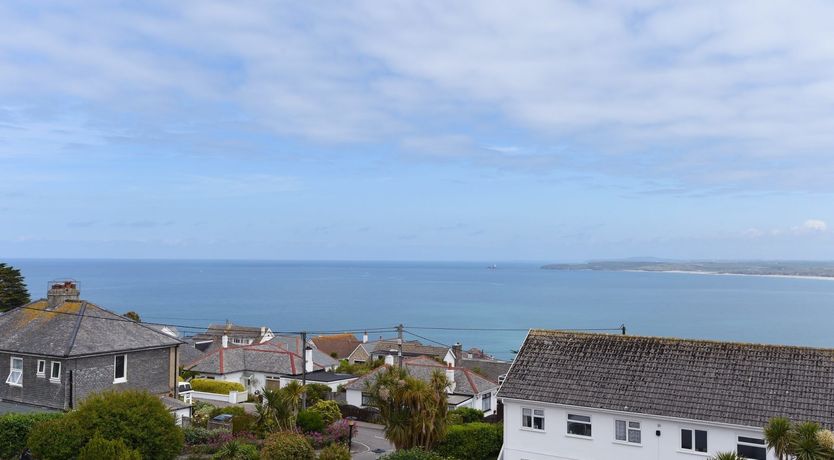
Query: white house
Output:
(600,397)
(467,389)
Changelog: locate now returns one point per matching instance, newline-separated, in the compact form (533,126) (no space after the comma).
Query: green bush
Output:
(104,449)
(329,411)
(236,450)
(475,441)
(58,439)
(310,421)
(414,454)
(231,410)
(137,417)
(316,392)
(463,415)
(195,435)
(335,451)
(215,386)
(15,427)
(287,446)
(245,422)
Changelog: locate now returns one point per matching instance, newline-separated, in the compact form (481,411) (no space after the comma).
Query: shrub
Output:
(236,450)
(329,411)
(15,427)
(195,435)
(463,415)
(104,449)
(231,410)
(287,446)
(137,417)
(316,392)
(476,441)
(57,439)
(339,431)
(414,454)
(244,423)
(310,421)
(335,452)
(215,386)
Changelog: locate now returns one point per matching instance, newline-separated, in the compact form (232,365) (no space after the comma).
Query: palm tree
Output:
(727,456)
(778,434)
(805,444)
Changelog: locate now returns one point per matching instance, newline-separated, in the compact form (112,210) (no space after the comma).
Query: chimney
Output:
(308,356)
(389,359)
(225,341)
(457,350)
(450,376)
(61,291)
(365,337)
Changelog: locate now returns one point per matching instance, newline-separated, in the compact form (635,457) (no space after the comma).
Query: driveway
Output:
(368,438)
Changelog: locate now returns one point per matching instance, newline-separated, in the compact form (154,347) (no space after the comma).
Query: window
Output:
(120,370)
(752,448)
(627,431)
(16,372)
(532,418)
(41,368)
(579,425)
(694,440)
(366,399)
(486,402)
(55,375)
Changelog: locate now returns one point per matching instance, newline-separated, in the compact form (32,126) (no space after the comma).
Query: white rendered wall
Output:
(555,444)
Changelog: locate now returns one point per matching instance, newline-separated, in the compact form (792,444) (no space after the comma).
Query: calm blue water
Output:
(320,296)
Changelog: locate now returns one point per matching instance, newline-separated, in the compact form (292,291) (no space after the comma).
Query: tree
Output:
(13,291)
(105,449)
(287,446)
(805,443)
(413,411)
(727,456)
(133,315)
(279,408)
(778,433)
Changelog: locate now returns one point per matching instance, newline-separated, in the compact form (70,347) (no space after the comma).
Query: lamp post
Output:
(351,423)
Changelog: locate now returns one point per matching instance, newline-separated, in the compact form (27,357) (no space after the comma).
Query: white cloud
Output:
(815,225)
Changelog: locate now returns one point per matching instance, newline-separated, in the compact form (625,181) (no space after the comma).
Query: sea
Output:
(448,302)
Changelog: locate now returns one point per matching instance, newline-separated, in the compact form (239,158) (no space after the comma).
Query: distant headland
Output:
(792,269)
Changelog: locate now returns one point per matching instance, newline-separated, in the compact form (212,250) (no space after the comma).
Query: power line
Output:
(427,339)
(501,329)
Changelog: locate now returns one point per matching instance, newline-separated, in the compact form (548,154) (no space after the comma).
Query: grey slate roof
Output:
(230,330)
(737,383)
(410,348)
(293,344)
(271,358)
(466,381)
(489,368)
(74,328)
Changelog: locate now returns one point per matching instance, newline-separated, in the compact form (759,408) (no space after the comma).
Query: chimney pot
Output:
(61,291)
(308,357)
(365,337)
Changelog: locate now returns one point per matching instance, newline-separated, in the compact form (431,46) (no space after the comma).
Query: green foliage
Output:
(137,417)
(245,422)
(329,411)
(236,450)
(316,392)
(335,451)
(798,441)
(215,386)
(15,427)
(805,444)
(463,415)
(13,291)
(475,441)
(186,374)
(105,449)
(279,408)
(287,445)
(231,410)
(414,454)
(778,432)
(727,456)
(195,435)
(310,421)
(133,315)
(413,411)
(58,439)
(359,369)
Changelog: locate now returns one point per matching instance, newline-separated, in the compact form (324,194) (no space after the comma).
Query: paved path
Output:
(367,438)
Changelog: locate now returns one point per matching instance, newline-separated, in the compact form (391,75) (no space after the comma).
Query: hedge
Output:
(414,454)
(475,441)
(15,427)
(58,439)
(463,415)
(215,386)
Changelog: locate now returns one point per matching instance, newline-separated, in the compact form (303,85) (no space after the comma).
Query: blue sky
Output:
(480,130)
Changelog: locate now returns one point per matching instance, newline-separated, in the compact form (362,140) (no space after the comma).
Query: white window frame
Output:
(529,416)
(17,381)
(486,402)
(761,445)
(52,377)
(573,418)
(630,427)
(41,368)
(122,379)
(694,447)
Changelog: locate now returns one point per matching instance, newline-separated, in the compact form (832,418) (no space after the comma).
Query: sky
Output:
(419,130)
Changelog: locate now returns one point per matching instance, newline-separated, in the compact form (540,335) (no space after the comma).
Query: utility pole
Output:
(400,345)
(304,370)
